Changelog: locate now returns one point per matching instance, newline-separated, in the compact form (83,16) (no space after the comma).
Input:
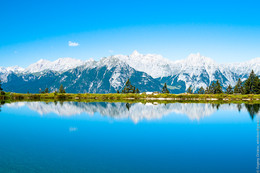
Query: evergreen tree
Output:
(55,92)
(250,85)
(258,86)
(207,91)
(46,90)
(212,88)
(201,91)
(229,89)
(62,90)
(189,90)
(239,88)
(137,90)
(1,89)
(165,89)
(128,87)
(218,88)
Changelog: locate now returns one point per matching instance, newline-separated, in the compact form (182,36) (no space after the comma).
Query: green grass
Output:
(114,97)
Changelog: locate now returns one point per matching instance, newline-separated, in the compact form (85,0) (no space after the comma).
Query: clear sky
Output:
(227,31)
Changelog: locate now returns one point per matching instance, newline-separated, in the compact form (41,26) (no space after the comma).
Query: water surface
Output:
(124,137)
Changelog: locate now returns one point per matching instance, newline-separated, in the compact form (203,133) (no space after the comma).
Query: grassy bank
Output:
(131,97)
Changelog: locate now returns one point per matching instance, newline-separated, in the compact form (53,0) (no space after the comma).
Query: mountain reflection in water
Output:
(135,111)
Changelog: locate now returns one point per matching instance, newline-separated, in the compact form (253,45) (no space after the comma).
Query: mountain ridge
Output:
(195,71)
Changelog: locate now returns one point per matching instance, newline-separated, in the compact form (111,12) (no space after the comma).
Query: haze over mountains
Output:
(146,72)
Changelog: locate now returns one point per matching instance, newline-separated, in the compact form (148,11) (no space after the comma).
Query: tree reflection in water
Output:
(135,111)
(252,109)
(239,107)
(1,103)
(128,106)
(215,105)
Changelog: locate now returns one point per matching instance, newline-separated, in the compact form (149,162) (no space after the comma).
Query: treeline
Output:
(61,90)
(250,86)
(1,89)
(45,91)
(129,88)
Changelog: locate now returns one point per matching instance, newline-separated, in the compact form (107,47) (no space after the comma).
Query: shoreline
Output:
(14,97)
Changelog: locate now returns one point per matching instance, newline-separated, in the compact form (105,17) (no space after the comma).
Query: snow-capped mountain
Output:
(199,71)
(60,65)
(105,76)
(109,74)
(243,69)
(154,65)
(15,69)
(4,72)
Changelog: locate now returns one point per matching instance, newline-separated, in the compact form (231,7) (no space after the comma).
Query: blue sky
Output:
(227,31)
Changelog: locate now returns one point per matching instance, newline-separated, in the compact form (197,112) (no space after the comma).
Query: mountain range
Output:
(146,72)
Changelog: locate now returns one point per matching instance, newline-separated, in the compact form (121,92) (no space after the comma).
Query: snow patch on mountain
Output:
(15,69)
(154,65)
(60,65)
(245,68)
(4,72)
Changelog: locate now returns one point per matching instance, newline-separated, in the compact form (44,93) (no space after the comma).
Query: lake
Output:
(129,138)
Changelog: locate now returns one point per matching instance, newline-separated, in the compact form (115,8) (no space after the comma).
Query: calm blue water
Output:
(119,137)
